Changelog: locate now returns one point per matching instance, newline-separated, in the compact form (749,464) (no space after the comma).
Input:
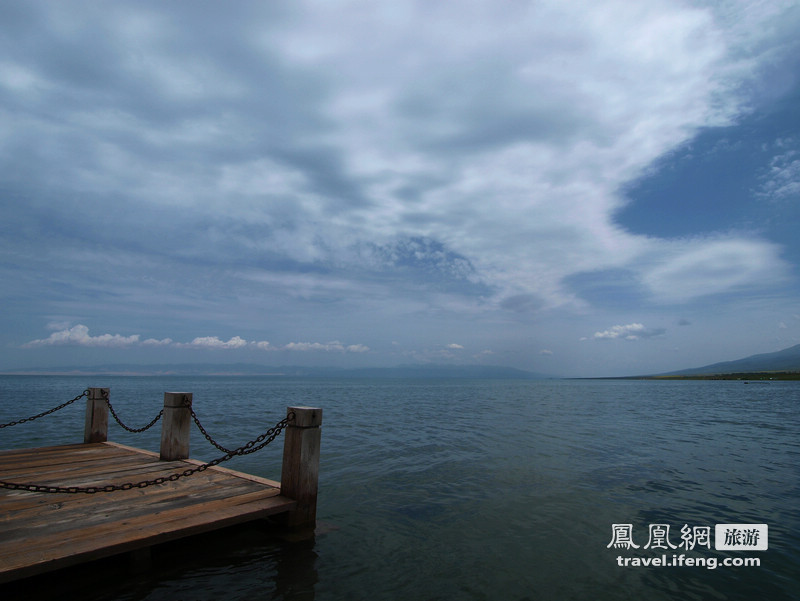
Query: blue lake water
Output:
(473,489)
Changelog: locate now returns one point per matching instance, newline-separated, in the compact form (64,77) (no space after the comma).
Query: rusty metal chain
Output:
(250,447)
(48,412)
(119,421)
(270,435)
(247,446)
(203,430)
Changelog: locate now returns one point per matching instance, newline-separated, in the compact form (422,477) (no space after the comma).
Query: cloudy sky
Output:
(575,188)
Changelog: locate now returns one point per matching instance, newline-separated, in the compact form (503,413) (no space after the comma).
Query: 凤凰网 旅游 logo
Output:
(726,537)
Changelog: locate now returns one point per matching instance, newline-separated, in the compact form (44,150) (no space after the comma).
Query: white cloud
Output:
(693,269)
(334,346)
(79,336)
(782,181)
(154,342)
(454,346)
(545,352)
(213,342)
(313,346)
(633,331)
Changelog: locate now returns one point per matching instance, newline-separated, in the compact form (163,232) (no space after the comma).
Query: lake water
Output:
(469,489)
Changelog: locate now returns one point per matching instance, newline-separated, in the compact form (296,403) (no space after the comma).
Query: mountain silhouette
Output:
(780,361)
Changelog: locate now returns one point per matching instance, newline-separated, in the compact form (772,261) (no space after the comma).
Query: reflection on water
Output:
(475,489)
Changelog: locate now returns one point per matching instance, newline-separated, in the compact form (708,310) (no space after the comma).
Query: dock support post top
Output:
(176,425)
(300,470)
(96,424)
(305,417)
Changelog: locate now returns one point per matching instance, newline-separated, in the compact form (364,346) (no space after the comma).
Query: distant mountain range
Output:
(787,360)
(251,369)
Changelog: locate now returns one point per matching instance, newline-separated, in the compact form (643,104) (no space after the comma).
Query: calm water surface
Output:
(469,489)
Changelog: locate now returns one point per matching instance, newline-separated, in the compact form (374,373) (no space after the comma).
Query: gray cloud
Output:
(281,164)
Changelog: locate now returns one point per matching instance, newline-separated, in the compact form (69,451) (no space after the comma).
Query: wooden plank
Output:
(58,469)
(217,468)
(55,551)
(104,472)
(40,532)
(35,457)
(18,500)
(147,471)
(126,527)
(116,467)
(6,453)
(206,485)
(65,516)
(129,501)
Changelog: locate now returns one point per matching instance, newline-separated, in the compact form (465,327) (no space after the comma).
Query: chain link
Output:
(119,421)
(48,412)
(203,430)
(250,447)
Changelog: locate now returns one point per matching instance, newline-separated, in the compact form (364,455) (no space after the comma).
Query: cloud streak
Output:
(632,331)
(700,268)
(214,343)
(79,336)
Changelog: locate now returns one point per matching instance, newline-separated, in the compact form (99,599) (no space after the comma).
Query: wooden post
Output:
(175,426)
(96,425)
(300,471)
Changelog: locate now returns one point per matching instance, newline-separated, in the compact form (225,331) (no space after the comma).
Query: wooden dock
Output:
(41,531)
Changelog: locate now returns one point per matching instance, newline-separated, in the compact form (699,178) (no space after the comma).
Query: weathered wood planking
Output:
(40,532)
